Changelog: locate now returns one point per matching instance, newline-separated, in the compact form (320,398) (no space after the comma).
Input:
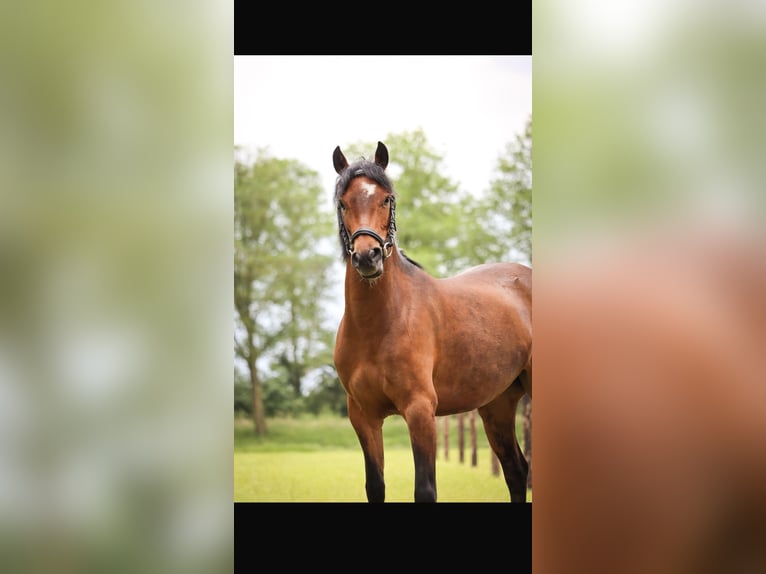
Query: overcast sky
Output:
(301,107)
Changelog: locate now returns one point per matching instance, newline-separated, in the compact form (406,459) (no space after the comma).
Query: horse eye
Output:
(387,200)
(342,206)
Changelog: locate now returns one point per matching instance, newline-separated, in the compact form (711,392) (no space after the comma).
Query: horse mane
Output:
(415,263)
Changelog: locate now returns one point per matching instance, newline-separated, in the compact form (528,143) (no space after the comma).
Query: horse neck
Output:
(368,303)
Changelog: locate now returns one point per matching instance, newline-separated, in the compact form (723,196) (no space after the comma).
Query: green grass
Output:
(304,434)
(319,460)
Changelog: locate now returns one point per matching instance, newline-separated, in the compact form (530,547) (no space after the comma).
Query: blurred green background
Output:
(116,203)
(115,286)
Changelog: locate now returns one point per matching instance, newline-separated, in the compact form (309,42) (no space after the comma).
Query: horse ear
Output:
(381,155)
(339,160)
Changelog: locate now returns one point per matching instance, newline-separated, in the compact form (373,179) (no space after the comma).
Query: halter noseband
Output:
(384,245)
(387,244)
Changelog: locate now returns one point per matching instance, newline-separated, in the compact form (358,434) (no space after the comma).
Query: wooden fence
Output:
(473,420)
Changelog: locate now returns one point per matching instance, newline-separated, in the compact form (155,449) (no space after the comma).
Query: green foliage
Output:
(430,212)
(510,197)
(279,270)
(329,396)
(280,398)
(498,226)
(243,395)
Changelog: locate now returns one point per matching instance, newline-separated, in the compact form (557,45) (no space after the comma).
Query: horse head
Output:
(365,202)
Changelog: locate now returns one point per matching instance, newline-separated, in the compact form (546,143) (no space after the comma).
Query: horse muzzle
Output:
(368,262)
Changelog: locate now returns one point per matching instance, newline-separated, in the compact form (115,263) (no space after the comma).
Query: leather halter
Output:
(387,244)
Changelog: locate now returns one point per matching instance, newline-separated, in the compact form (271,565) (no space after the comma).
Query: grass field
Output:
(319,460)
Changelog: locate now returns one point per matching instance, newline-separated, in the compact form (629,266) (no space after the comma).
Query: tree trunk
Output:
(528,436)
(259,413)
(446,437)
(461,437)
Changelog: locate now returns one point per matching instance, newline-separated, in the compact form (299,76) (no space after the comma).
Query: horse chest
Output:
(374,374)
(365,385)
(361,369)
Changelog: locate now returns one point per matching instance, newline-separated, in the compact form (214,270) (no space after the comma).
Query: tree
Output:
(498,225)
(279,271)
(328,394)
(243,395)
(509,203)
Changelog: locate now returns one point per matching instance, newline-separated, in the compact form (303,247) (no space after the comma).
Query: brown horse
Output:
(652,447)
(421,347)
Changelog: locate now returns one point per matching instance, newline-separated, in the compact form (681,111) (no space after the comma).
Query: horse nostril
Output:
(375,253)
(355,259)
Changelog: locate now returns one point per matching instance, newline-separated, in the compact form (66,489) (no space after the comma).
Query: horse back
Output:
(514,279)
(509,275)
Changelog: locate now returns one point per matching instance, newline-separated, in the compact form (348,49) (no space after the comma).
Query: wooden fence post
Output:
(446,437)
(526,401)
(472,426)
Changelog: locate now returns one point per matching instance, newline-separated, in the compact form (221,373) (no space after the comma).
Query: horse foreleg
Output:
(421,422)
(370,434)
(499,418)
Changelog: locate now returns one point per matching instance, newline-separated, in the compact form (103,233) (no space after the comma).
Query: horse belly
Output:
(485,336)
(476,367)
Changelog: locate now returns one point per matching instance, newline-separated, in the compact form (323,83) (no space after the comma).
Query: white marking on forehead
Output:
(368,188)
